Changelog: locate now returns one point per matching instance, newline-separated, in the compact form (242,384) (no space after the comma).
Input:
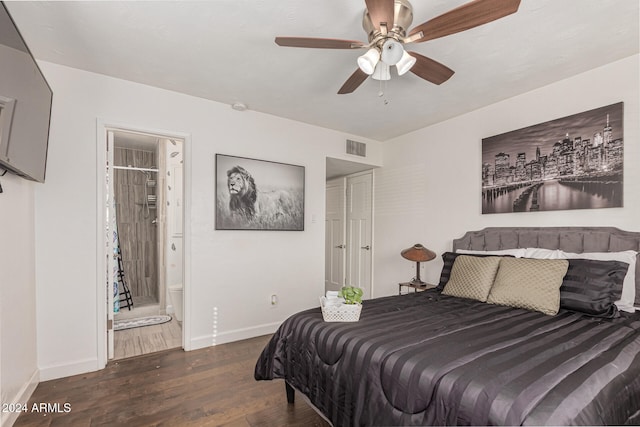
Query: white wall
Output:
(18,359)
(429,188)
(232,272)
(427,192)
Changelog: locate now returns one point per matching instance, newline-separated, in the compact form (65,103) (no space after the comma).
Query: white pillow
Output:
(518,253)
(541,253)
(625,303)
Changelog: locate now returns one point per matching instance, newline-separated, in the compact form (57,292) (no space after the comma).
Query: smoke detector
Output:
(239,106)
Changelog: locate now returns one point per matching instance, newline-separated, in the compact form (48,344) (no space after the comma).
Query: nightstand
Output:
(416,287)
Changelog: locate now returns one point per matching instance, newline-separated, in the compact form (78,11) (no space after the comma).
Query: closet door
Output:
(359,231)
(335,243)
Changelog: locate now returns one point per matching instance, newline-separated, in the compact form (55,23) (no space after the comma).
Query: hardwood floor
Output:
(208,387)
(149,339)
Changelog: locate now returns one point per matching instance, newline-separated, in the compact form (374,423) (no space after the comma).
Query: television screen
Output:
(25,105)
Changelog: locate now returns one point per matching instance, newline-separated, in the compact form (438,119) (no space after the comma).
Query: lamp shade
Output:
(391,52)
(418,253)
(406,62)
(382,72)
(369,60)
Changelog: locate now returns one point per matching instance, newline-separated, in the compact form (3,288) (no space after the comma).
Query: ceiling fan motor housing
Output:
(402,19)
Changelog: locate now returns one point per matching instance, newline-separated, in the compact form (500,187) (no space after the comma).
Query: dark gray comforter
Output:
(427,359)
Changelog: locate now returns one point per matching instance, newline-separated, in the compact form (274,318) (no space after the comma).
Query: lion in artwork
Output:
(242,192)
(248,202)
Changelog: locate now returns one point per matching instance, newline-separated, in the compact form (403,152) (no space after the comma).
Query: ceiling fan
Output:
(387,21)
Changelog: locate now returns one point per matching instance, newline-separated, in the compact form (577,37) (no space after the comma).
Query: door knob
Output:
(366,247)
(340,246)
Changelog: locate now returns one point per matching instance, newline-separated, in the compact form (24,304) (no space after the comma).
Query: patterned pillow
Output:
(472,277)
(593,286)
(532,284)
(449,258)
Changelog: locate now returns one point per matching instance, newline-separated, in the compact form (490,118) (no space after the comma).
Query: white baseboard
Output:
(60,371)
(234,335)
(7,419)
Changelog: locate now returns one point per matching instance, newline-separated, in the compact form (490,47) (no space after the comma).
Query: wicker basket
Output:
(340,313)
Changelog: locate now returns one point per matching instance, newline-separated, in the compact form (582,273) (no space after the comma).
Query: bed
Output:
(431,358)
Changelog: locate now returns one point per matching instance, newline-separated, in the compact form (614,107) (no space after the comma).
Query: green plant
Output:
(351,294)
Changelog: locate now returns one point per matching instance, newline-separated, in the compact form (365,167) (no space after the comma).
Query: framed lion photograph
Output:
(254,194)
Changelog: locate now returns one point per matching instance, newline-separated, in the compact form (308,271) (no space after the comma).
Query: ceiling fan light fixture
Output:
(369,60)
(392,51)
(406,62)
(381,72)
(387,25)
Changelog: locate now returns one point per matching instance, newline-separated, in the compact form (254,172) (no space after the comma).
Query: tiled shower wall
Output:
(135,215)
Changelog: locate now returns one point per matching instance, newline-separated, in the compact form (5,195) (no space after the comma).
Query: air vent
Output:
(356,148)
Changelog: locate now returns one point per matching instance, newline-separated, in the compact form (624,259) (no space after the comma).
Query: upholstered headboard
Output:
(568,239)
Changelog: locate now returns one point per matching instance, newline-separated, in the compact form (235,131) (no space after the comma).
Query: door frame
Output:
(102,128)
(373,246)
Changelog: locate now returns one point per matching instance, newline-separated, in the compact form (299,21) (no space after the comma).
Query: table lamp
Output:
(418,253)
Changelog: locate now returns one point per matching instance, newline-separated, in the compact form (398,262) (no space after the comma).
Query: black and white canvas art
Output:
(575,162)
(256,194)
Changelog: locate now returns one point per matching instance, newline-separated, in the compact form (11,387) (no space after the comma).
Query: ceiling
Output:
(224,50)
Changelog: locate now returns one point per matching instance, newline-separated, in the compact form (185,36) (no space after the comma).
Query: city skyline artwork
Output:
(574,162)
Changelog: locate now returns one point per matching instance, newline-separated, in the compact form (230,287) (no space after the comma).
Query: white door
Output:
(359,225)
(334,235)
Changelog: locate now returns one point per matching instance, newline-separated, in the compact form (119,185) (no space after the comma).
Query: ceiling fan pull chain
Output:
(381,91)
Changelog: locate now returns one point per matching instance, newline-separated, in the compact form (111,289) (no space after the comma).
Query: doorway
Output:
(144,210)
(348,231)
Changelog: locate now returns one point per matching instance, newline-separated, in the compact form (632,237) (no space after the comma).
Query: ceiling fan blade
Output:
(318,43)
(472,14)
(353,82)
(381,12)
(430,70)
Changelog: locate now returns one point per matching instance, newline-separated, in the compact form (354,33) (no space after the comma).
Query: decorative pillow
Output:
(625,303)
(518,253)
(472,277)
(592,287)
(532,284)
(449,258)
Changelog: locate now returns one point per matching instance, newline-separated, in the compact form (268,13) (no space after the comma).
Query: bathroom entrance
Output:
(144,212)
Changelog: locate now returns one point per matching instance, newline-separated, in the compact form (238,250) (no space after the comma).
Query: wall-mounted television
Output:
(25,105)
